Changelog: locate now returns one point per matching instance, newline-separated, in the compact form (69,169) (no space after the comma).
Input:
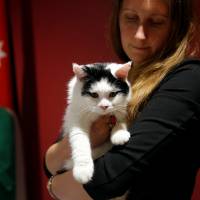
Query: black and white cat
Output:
(95,90)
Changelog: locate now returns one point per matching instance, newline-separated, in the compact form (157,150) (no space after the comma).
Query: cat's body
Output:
(95,90)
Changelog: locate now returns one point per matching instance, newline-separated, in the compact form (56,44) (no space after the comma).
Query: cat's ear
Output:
(122,72)
(78,71)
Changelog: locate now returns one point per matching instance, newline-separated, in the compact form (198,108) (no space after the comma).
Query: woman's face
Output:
(144,28)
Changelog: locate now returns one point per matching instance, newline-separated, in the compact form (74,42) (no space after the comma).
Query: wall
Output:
(47,37)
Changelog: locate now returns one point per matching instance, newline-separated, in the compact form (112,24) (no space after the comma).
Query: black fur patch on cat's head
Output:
(98,71)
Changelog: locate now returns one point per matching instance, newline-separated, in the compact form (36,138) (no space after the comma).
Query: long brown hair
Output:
(146,77)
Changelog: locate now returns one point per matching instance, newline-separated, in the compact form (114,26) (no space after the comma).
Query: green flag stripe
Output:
(7,161)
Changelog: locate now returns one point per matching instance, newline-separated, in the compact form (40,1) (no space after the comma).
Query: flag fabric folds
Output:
(7,162)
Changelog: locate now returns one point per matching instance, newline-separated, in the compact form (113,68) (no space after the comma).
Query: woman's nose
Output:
(140,34)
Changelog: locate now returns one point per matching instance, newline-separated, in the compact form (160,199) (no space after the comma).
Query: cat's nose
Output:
(103,107)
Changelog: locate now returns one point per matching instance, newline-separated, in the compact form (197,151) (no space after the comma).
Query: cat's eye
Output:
(94,95)
(112,94)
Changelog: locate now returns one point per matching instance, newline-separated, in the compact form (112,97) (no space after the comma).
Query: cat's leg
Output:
(119,134)
(83,166)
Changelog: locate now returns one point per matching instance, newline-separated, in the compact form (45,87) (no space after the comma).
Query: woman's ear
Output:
(78,71)
(122,72)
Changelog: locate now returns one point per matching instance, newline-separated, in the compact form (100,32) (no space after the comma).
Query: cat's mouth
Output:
(103,111)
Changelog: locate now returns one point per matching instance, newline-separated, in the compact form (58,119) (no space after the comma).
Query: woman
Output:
(160,161)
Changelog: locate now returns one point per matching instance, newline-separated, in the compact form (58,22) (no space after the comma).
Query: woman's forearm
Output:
(56,155)
(61,185)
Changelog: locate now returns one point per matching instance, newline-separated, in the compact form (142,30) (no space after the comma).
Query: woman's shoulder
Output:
(183,79)
(187,68)
(187,63)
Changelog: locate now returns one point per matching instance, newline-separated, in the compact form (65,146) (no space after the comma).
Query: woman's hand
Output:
(100,130)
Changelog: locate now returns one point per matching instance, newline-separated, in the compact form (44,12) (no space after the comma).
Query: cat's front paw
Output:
(120,137)
(83,172)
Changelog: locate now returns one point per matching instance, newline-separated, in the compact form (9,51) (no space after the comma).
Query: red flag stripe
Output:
(5,71)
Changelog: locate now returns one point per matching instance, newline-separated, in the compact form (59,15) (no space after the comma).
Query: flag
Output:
(12,181)
(7,160)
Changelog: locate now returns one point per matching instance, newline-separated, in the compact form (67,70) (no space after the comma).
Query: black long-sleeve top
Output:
(161,159)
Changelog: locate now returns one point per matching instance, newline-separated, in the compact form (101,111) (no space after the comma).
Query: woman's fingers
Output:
(100,131)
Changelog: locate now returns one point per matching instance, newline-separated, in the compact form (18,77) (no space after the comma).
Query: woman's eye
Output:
(157,22)
(132,19)
(94,95)
(112,94)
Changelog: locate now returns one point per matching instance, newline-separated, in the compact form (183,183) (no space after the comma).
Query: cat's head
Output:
(105,88)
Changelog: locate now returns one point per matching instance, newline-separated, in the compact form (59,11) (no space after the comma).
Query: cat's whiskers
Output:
(120,109)
(85,110)
(88,110)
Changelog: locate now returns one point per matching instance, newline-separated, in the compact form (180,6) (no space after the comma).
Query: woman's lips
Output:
(140,48)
